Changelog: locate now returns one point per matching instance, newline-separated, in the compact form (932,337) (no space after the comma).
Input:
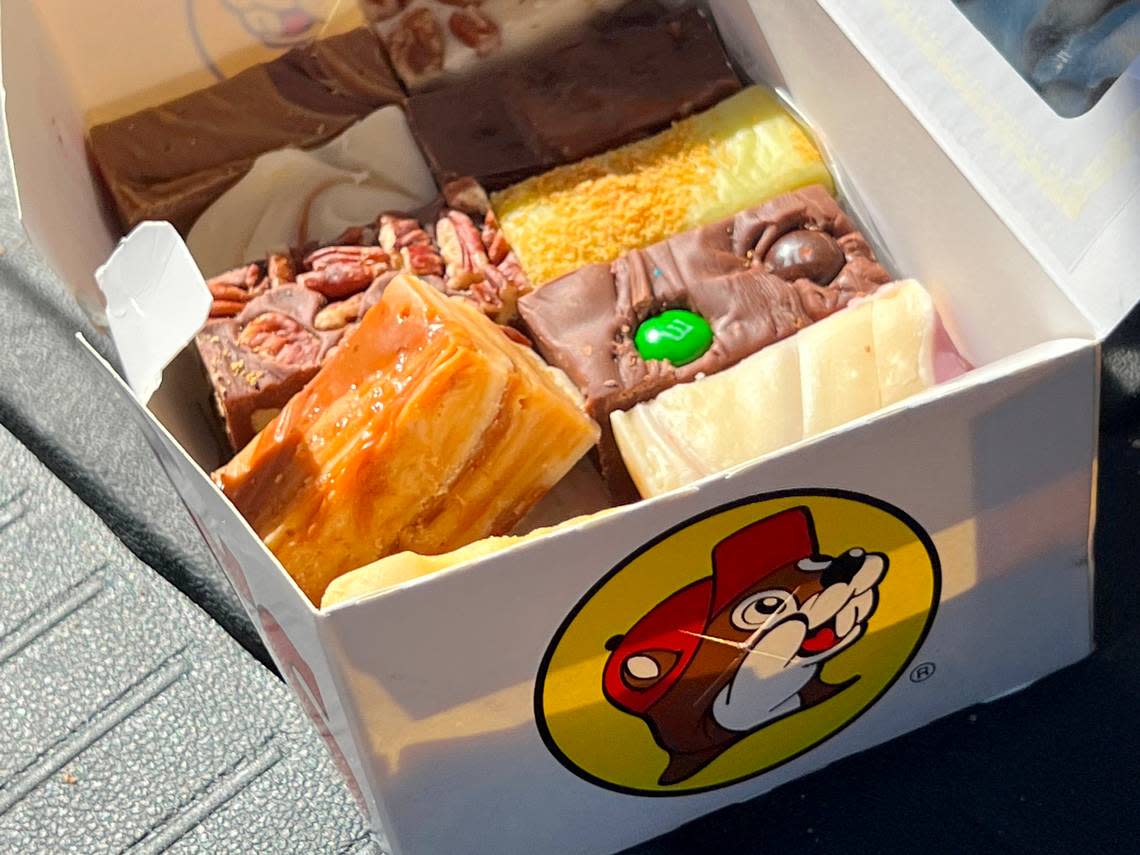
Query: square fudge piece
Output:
(273,323)
(723,291)
(172,161)
(428,428)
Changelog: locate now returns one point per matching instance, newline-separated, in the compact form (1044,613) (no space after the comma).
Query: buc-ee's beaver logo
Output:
(737,641)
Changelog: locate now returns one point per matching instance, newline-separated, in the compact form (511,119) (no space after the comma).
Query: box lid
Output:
(67,65)
(1068,188)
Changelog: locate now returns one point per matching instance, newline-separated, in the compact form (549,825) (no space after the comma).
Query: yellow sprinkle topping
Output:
(739,153)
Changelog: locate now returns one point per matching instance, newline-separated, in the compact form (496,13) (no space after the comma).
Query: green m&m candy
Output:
(676,335)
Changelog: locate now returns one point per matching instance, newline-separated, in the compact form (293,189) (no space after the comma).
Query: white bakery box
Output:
(473,699)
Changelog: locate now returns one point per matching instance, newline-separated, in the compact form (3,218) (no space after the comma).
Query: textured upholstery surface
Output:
(129,720)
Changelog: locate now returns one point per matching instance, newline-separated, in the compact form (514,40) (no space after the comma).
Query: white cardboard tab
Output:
(1068,188)
(157,301)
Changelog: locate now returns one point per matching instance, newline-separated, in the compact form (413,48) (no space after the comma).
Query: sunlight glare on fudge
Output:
(426,430)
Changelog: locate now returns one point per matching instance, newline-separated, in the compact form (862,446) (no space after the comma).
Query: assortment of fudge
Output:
(453,253)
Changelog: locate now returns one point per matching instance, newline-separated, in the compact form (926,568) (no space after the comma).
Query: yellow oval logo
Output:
(737,641)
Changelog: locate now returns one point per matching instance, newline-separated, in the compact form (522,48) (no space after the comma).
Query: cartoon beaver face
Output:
(279,23)
(734,652)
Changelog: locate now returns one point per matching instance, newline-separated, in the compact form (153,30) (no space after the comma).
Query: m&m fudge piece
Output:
(697,303)
(736,155)
(879,350)
(425,430)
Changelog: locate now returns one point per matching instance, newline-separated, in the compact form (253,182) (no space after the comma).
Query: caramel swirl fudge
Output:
(876,352)
(294,197)
(738,154)
(426,430)
(698,303)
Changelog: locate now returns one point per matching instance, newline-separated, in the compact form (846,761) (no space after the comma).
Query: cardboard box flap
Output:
(157,301)
(1068,188)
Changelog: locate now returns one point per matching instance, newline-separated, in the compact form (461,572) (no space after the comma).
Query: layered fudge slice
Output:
(878,351)
(736,155)
(697,303)
(426,430)
(170,162)
(293,197)
(622,77)
(273,323)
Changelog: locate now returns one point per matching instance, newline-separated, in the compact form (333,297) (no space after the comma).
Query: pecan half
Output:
(476,30)
(338,315)
(279,337)
(462,249)
(496,295)
(280,270)
(494,239)
(422,260)
(225,308)
(233,289)
(338,280)
(467,195)
(517,337)
(512,269)
(399,232)
(370,256)
(415,45)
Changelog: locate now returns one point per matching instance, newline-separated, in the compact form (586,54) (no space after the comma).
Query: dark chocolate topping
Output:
(626,76)
(805,254)
(584,323)
(172,161)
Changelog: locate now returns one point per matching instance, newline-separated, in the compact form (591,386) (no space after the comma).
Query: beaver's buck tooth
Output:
(869,574)
(846,619)
(864,605)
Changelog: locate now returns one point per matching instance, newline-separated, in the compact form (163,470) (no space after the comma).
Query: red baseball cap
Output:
(675,626)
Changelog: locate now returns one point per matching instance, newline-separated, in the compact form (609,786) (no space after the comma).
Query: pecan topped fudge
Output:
(273,323)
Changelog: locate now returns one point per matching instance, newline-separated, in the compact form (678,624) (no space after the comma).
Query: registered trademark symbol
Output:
(922,673)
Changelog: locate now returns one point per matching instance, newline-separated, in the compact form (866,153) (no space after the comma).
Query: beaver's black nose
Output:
(843,568)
